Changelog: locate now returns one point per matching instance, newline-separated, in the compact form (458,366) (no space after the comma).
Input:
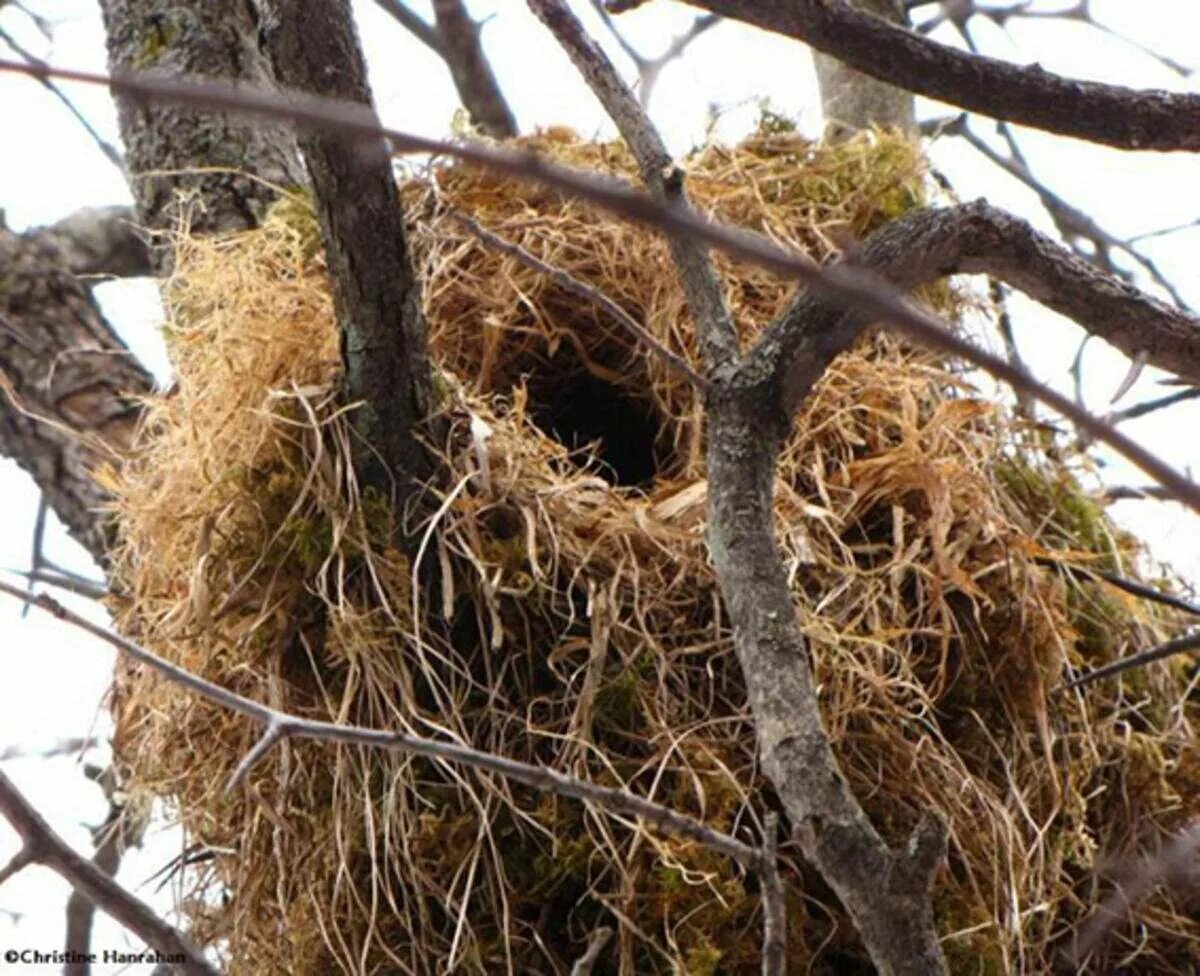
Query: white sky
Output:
(53,678)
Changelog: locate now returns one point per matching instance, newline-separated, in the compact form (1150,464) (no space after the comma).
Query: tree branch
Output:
(774,899)
(852,101)
(1073,224)
(886,893)
(650,69)
(100,241)
(662,177)
(107,149)
(120,831)
(1109,114)
(314,49)
(41,845)
(462,50)
(977,238)
(423,31)
(1186,644)
(68,384)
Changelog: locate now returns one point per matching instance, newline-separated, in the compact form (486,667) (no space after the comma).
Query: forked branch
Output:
(41,845)
(1111,115)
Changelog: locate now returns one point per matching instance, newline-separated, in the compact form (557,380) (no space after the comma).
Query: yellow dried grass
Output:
(577,623)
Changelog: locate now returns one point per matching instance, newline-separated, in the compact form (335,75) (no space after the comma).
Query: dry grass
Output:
(566,620)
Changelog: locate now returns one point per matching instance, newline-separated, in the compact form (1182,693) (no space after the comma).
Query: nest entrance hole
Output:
(578,408)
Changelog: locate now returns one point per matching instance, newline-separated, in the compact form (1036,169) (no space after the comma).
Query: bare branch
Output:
(462,50)
(456,40)
(71,583)
(959,12)
(567,281)
(852,286)
(100,241)
(1132,587)
(120,831)
(886,893)
(650,69)
(41,845)
(774,901)
(663,178)
(1073,224)
(37,556)
(976,238)
(107,149)
(1108,114)
(62,748)
(1179,645)
(280,726)
(1150,406)
(1121,493)
(423,31)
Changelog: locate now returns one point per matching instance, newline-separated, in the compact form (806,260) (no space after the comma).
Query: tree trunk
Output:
(242,162)
(313,47)
(850,100)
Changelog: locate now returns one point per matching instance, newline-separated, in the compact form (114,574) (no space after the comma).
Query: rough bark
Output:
(1029,95)
(102,241)
(852,101)
(314,49)
(61,359)
(167,145)
(975,238)
(68,383)
(886,893)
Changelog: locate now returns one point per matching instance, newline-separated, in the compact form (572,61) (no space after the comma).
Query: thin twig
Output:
(41,845)
(1149,406)
(78,585)
(280,726)
(649,69)
(569,282)
(853,286)
(110,152)
(1180,645)
(1122,493)
(662,177)
(63,748)
(122,829)
(1132,587)
(37,556)
(1072,223)
(422,30)
(774,901)
(471,70)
